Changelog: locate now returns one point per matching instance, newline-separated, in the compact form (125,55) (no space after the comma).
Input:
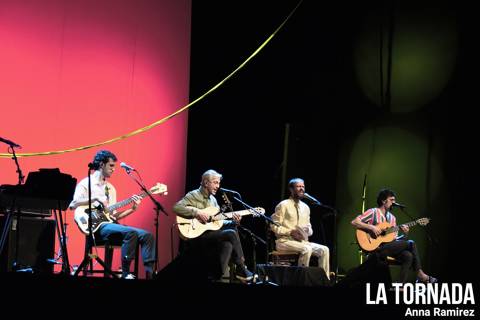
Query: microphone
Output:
(396,204)
(309,197)
(127,167)
(10,143)
(229,191)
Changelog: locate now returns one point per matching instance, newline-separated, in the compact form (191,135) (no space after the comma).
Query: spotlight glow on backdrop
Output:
(77,73)
(424,53)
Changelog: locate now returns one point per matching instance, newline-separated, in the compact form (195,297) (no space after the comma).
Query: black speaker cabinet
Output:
(293,275)
(30,242)
(373,271)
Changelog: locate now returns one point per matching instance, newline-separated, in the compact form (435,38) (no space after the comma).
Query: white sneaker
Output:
(129,277)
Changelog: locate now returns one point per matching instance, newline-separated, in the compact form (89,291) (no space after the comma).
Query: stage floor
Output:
(109,295)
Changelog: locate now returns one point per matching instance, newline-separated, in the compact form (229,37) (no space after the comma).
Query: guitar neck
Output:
(124,202)
(395,229)
(229,215)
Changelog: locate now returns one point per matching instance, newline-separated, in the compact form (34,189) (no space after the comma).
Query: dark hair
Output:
(102,156)
(293,181)
(383,195)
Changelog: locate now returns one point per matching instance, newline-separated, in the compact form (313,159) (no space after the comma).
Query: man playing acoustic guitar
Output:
(226,239)
(404,251)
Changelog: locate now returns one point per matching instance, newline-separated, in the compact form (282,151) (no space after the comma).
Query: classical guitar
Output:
(369,242)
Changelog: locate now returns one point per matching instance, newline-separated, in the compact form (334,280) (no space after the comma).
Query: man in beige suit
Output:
(293,216)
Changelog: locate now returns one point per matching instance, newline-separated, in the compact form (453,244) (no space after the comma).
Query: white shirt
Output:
(291,215)
(99,191)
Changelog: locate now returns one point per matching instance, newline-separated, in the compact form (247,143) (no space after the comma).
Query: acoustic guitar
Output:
(192,228)
(369,242)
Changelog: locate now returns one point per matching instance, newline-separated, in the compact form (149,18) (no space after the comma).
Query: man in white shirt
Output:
(293,216)
(104,193)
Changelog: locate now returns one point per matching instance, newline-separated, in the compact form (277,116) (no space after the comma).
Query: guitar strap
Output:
(107,193)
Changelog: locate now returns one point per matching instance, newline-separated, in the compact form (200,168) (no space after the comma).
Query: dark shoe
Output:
(243,274)
(429,280)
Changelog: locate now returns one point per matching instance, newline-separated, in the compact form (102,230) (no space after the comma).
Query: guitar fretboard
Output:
(229,215)
(395,229)
(124,202)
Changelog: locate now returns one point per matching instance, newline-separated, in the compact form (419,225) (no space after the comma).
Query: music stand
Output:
(57,189)
(89,256)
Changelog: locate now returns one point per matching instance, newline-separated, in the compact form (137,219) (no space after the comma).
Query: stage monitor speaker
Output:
(30,242)
(294,275)
(373,271)
(189,268)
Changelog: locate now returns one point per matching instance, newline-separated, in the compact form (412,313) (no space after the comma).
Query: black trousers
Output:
(220,246)
(405,251)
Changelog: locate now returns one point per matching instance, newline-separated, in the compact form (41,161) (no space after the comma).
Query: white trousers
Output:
(306,249)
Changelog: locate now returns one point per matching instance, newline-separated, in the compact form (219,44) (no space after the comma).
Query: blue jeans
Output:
(129,237)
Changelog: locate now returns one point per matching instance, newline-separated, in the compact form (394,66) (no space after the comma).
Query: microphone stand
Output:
(364,197)
(429,236)
(91,238)
(9,215)
(254,210)
(157,209)
(333,212)
(19,171)
(62,238)
(254,237)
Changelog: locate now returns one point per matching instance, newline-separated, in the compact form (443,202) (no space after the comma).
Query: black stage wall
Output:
(306,79)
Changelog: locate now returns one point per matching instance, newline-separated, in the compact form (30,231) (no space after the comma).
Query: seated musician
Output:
(405,251)
(104,192)
(293,217)
(226,239)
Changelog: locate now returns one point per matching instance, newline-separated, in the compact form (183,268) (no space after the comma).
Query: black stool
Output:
(109,247)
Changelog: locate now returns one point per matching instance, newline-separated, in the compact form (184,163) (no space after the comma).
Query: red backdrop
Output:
(74,73)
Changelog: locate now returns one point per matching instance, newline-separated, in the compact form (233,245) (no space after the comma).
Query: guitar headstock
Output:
(159,188)
(423,221)
(225,199)
(258,211)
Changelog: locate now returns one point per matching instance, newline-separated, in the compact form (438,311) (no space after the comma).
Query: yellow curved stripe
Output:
(156,123)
